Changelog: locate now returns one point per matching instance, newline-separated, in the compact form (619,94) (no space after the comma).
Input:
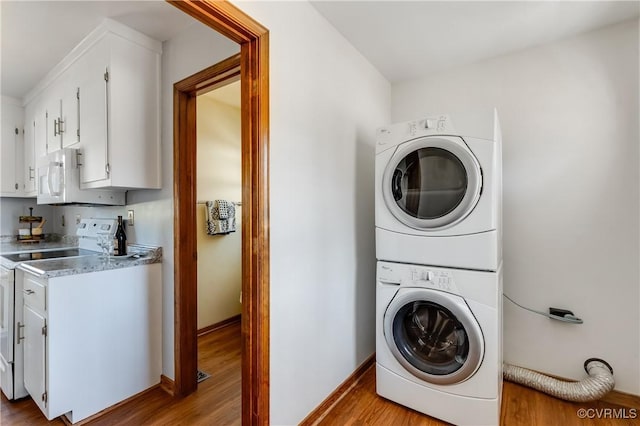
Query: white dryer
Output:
(438,196)
(439,341)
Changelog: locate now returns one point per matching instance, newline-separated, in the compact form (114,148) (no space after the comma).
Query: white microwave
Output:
(59,182)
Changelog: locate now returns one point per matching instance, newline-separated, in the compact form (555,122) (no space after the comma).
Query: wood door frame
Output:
(254,64)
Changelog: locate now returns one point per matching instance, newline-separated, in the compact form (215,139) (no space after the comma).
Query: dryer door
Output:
(434,335)
(432,182)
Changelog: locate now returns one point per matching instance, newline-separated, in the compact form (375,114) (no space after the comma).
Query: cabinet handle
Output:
(32,173)
(55,127)
(20,327)
(28,291)
(60,126)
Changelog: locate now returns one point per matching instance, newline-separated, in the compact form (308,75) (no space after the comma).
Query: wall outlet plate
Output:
(130,217)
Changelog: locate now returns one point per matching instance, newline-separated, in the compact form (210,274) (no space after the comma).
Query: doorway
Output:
(219,241)
(253,39)
(219,211)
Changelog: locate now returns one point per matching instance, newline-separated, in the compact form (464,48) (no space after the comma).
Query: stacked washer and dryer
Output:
(439,272)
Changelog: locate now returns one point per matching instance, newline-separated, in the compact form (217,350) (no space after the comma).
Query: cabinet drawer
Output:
(34,292)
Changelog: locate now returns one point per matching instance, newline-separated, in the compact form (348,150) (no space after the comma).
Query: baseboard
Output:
(167,385)
(107,410)
(217,326)
(325,407)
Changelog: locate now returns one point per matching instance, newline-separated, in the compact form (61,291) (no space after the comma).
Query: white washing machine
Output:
(439,341)
(439,191)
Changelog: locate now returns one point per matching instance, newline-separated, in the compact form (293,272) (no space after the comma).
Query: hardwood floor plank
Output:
(216,402)
(521,406)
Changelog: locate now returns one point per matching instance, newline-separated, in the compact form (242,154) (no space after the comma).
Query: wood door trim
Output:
(254,57)
(167,385)
(212,77)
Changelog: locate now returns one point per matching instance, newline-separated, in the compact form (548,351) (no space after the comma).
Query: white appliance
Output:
(90,232)
(59,182)
(439,341)
(438,197)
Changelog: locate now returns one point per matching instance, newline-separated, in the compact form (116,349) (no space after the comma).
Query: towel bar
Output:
(235,203)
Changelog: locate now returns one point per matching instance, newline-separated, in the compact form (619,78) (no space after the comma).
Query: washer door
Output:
(434,335)
(432,182)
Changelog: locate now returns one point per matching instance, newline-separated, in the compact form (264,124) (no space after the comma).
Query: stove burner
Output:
(53,254)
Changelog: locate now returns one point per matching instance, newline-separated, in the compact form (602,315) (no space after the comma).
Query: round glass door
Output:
(432,182)
(434,337)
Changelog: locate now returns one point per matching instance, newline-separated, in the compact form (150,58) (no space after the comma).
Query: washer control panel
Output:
(416,276)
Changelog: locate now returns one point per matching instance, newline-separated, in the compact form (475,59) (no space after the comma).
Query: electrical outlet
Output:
(130,217)
(78,219)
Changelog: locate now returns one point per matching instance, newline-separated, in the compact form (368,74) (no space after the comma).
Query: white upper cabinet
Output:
(104,99)
(29,170)
(61,110)
(11,137)
(39,129)
(52,116)
(93,114)
(69,124)
(35,143)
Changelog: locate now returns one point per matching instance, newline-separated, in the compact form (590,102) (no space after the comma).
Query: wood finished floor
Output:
(521,406)
(217,401)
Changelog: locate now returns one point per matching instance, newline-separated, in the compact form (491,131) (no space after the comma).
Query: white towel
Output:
(221,217)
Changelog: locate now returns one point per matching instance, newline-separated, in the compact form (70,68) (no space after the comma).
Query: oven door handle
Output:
(19,337)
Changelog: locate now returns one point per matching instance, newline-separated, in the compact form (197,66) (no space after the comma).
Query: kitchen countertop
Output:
(51,268)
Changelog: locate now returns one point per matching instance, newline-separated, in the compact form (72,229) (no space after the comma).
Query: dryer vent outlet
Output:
(598,384)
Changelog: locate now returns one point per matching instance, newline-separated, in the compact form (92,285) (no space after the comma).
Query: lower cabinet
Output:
(91,340)
(35,326)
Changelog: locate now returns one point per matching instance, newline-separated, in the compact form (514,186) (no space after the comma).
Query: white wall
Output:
(219,176)
(326,102)
(12,208)
(191,51)
(569,116)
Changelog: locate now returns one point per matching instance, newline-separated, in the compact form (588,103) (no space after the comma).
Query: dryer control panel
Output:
(416,276)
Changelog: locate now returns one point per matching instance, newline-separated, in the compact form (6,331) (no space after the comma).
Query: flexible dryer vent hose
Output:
(597,385)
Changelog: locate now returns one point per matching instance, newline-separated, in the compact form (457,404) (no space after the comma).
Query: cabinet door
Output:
(29,158)
(35,356)
(10,139)
(70,125)
(40,131)
(52,114)
(93,87)
(29,172)
(8,183)
(53,105)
